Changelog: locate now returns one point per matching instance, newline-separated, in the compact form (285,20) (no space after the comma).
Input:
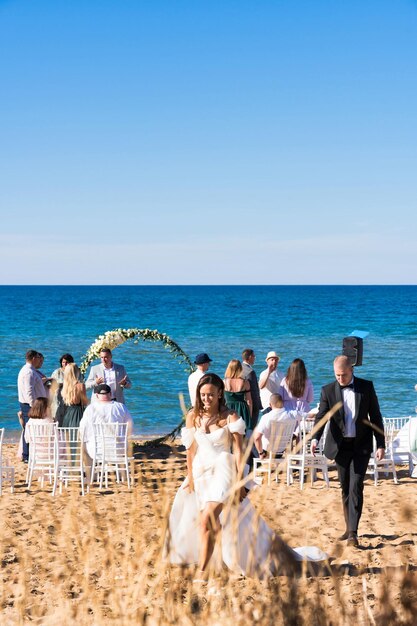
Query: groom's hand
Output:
(243,493)
(380,453)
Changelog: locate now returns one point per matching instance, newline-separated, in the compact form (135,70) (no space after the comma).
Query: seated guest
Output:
(237,392)
(296,389)
(278,413)
(39,411)
(103,411)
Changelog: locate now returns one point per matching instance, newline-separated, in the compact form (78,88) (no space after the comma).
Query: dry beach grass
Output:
(97,560)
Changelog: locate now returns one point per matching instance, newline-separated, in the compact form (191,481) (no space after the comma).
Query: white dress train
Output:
(248,545)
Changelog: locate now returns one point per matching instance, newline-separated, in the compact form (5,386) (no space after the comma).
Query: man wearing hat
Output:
(270,379)
(202,361)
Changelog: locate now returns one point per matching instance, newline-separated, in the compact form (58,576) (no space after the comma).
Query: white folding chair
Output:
(42,451)
(6,471)
(412,445)
(111,452)
(397,422)
(304,460)
(279,442)
(387,464)
(70,467)
(401,440)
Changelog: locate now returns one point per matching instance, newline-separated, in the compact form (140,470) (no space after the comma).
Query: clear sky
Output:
(191,142)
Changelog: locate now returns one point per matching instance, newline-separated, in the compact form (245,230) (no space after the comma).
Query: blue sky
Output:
(189,142)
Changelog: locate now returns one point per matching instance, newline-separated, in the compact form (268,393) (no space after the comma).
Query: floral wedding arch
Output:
(114,338)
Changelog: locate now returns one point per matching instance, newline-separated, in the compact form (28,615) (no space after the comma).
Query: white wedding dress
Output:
(248,546)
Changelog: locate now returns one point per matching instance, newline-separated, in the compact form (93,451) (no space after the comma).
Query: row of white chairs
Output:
(301,461)
(56,454)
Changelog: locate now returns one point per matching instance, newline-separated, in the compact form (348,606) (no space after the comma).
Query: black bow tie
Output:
(347,386)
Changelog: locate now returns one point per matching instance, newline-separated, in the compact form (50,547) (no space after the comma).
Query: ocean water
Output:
(296,321)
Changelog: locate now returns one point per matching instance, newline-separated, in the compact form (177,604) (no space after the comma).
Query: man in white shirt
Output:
(29,387)
(262,431)
(202,361)
(103,411)
(109,373)
(270,379)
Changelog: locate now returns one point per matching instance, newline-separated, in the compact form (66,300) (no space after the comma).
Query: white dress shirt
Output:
(348,396)
(110,379)
(102,413)
(276,415)
(192,384)
(272,386)
(30,385)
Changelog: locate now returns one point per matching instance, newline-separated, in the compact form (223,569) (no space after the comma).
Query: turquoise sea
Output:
(296,321)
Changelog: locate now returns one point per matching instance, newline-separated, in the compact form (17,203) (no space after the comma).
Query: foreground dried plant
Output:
(97,560)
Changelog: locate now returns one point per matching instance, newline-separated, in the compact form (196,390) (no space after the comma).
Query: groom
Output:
(349,440)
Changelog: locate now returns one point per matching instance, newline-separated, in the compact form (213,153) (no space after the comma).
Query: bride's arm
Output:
(237,444)
(191,450)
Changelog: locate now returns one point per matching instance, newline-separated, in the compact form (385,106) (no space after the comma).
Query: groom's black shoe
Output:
(352,540)
(344,536)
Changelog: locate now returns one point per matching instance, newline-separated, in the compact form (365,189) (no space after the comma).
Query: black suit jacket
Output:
(368,420)
(250,375)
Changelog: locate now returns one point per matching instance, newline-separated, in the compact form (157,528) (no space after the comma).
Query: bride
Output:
(212,499)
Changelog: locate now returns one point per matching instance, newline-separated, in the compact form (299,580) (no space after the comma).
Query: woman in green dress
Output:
(74,396)
(237,391)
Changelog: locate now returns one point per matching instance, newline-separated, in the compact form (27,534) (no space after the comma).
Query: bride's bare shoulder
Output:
(227,415)
(189,420)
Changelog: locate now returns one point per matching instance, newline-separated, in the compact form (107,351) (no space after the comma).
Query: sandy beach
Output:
(97,559)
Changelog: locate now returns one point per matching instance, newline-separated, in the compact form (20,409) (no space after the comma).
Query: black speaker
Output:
(353,349)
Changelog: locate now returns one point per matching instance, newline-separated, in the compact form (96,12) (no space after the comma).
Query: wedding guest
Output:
(109,373)
(57,378)
(38,411)
(74,396)
(104,411)
(248,361)
(45,379)
(237,392)
(30,387)
(296,388)
(202,361)
(349,440)
(278,413)
(270,379)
